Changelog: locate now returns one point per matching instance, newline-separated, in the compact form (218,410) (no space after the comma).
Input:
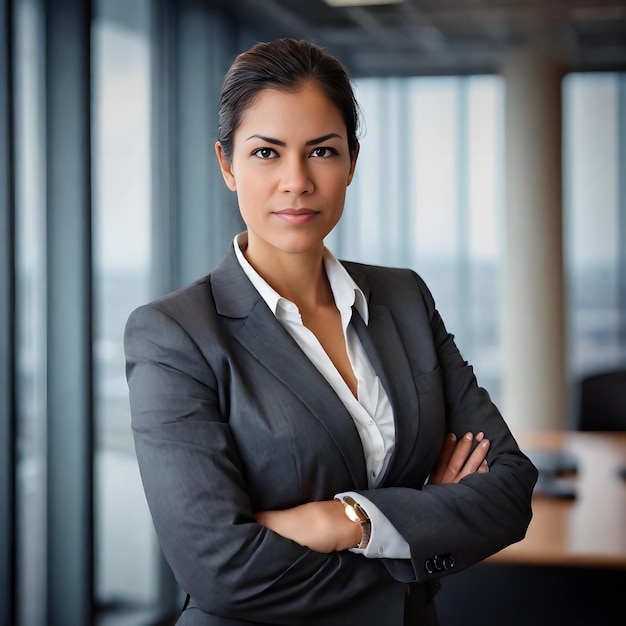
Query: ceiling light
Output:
(361,3)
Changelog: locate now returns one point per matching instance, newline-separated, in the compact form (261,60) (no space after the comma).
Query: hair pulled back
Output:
(284,64)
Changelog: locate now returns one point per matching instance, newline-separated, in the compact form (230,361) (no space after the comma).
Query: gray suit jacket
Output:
(230,417)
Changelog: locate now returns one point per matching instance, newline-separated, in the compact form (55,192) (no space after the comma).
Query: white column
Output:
(533,325)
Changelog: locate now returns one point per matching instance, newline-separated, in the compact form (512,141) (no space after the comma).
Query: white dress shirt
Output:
(371,412)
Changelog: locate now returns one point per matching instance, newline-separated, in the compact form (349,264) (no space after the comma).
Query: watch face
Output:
(352,514)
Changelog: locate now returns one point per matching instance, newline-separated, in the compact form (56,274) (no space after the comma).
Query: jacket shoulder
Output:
(199,290)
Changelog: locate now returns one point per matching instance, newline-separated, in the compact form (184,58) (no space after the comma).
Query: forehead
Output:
(305,108)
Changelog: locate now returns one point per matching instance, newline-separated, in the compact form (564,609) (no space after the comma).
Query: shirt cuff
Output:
(385,541)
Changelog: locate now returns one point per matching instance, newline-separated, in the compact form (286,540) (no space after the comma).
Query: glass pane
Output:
(591,220)
(434,140)
(485,174)
(30,318)
(435,185)
(126,555)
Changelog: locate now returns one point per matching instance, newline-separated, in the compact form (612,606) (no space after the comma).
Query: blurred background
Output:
(493,162)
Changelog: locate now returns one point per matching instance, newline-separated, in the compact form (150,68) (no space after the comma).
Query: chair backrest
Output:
(602,401)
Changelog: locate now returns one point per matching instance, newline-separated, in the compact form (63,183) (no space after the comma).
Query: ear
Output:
(226,166)
(357,147)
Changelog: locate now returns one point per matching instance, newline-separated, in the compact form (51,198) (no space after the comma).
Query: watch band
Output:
(366,533)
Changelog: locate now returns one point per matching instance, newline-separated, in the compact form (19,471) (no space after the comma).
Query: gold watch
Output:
(356,514)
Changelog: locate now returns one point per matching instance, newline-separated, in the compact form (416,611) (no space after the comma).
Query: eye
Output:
(265,153)
(323,152)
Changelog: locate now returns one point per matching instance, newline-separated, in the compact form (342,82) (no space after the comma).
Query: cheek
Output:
(250,175)
(247,183)
(337,189)
(252,194)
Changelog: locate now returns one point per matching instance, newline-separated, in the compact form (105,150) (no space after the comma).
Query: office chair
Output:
(602,401)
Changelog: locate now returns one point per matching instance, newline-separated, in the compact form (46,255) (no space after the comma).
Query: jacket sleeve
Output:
(196,491)
(452,526)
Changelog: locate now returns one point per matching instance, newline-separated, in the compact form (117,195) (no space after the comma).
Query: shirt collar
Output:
(345,291)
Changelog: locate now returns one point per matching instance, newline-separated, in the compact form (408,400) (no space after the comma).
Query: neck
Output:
(298,277)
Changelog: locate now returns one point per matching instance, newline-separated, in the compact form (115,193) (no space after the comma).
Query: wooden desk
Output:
(589,531)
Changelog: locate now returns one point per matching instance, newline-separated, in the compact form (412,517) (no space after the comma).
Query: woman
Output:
(289,410)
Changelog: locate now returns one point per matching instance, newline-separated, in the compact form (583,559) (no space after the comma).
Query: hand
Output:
(457,460)
(320,526)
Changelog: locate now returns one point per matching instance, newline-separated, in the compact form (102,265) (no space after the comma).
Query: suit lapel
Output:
(262,335)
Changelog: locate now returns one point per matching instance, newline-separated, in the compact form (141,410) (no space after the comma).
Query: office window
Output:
(594,217)
(126,551)
(427,195)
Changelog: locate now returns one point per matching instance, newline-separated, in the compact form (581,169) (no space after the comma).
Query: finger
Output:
(476,459)
(446,450)
(458,458)
(444,456)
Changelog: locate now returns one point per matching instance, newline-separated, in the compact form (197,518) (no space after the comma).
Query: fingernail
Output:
(469,436)
(452,437)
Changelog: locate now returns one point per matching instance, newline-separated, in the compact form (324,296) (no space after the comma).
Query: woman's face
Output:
(290,168)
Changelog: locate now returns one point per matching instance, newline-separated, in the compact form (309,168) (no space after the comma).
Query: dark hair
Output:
(285,64)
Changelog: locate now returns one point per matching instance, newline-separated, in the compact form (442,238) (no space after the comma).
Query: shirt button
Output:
(381,549)
(379,453)
(371,422)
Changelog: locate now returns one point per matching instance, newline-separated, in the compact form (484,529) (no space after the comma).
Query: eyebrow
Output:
(311,142)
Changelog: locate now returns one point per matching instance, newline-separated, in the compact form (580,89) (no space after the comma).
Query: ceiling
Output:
(426,37)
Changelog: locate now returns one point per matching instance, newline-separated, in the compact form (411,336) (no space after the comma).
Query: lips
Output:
(296,216)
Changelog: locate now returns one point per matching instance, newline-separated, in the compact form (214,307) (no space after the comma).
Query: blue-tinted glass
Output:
(30,318)
(591,217)
(126,554)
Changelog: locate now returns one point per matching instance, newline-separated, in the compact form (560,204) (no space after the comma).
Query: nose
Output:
(295,176)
